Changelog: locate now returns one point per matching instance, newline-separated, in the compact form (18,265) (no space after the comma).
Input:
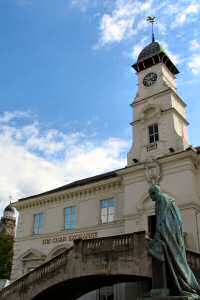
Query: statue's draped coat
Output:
(168,245)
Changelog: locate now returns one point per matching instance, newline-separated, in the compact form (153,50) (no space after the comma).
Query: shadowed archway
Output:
(75,288)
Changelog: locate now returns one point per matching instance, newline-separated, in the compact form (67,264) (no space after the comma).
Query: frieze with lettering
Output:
(70,237)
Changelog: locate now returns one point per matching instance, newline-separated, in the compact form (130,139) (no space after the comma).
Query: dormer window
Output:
(153,133)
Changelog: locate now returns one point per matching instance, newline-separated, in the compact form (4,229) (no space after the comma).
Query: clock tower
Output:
(159,114)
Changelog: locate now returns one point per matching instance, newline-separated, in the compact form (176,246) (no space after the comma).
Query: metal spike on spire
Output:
(10,199)
(152,19)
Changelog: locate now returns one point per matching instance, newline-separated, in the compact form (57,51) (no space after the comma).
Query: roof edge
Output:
(75,184)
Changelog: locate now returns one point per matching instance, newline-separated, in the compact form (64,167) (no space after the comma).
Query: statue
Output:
(168,245)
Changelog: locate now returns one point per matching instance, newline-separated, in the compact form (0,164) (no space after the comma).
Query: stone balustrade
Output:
(123,254)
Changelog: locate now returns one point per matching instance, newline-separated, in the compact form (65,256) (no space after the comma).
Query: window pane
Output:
(156,128)
(104,219)
(107,210)
(73,219)
(67,211)
(73,210)
(151,129)
(70,217)
(156,137)
(111,210)
(104,203)
(151,139)
(41,223)
(111,214)
(112,203)
(153,133)
(104,211)
(110,218)
(38,223)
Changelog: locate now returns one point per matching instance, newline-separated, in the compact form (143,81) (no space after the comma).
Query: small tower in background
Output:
(8,221)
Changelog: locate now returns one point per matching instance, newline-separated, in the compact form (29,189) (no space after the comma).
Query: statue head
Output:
(154,191)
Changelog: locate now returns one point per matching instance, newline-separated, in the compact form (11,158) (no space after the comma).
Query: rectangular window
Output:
(153,133)
(38,223)
(70,217)
(108,207)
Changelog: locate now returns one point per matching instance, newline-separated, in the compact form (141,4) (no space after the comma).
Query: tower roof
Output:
(153,54)
(150,50)
(9,208)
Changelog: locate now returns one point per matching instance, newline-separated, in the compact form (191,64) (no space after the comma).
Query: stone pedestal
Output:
(160,289)
(159,279)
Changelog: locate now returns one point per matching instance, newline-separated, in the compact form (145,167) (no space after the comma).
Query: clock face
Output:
(150,79)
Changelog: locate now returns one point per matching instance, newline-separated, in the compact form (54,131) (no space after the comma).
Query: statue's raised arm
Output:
(168,245)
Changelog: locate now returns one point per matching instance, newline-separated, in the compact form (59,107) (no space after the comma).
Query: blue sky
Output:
(66,84)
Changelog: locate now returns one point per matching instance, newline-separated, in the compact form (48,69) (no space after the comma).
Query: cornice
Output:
(185,154)
(173,163)
(136,102)
(73,193)
(177,113)
(143,212)
(168,90)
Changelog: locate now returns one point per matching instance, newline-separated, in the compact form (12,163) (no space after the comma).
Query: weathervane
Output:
(151,19)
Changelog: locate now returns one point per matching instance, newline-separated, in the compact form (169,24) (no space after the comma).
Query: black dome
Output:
(9,208)
(151,55)
(150,50)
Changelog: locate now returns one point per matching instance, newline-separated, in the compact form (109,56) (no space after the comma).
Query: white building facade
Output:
(117,202)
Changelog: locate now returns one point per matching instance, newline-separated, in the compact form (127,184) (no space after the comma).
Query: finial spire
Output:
(10,199)
(151,19)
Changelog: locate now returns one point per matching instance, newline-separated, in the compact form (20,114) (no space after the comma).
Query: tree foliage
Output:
(6,254)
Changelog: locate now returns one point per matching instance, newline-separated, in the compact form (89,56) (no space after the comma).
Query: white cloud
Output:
(9,116)
(194,45)
(194,63)
(194,58)
(120,23)
(127,18)
(184,13)
(34,160)
(122,20)
(24,2)
(176,58)
(138,48)
(81,4)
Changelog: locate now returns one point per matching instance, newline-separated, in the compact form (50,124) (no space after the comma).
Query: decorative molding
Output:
(62,247)
(177,113)
(152,171)
(71,194)
(33,253)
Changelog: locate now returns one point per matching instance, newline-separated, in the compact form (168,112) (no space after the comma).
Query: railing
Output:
(84,247)
(151,147)
(116,243)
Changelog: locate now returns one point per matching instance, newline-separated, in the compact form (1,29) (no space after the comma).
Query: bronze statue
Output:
(168,245)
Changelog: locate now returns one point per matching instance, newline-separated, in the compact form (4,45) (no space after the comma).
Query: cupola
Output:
(9,211)
(151,55)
